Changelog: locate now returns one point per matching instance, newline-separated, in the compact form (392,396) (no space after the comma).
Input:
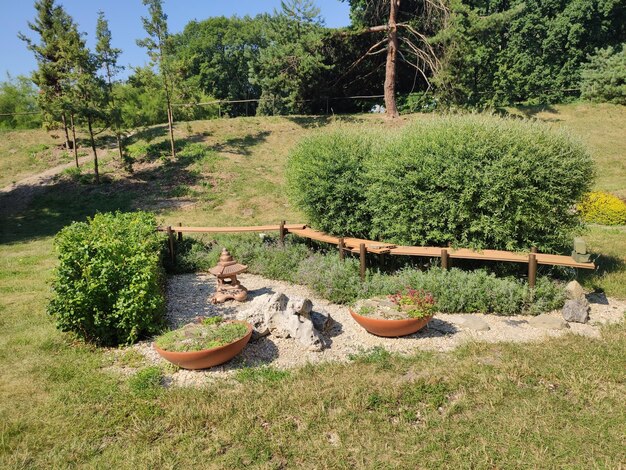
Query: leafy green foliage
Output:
(55,50)
(18,96)
(331,278)
(218,54)
(472,181)
(528,51)
(327,180)
(141,98)
(472,291)
(288,67)
(479,182)
(108,287)
(604,76)
(417,303)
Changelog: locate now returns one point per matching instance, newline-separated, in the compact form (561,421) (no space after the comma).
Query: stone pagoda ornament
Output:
(228,286)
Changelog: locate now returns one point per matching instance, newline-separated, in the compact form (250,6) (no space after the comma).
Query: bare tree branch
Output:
(361,59)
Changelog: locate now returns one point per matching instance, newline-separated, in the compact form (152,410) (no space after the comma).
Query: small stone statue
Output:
(228,286)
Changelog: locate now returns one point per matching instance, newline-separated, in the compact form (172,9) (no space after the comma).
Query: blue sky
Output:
(125,22)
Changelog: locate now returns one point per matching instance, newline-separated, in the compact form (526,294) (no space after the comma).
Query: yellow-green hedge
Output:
(603,208)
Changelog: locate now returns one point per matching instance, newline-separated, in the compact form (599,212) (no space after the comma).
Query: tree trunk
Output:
(170,123)
(74,140)
(95,153)
(116,126)
(390,70)
(67,135)
(120,149)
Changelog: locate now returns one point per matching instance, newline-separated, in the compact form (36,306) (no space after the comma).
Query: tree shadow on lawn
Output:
(147,133)
(529,112)
(60,205)
(312,122)
(67,201)
(605,264)
(242,145)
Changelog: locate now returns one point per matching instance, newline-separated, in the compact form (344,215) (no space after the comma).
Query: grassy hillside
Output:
(23,153)
(484,406)
(601,128)
(238,176)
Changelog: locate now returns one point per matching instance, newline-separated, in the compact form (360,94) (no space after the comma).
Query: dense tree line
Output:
(524,51)
(473,53)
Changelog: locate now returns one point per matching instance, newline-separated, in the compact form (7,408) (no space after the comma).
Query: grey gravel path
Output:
(188,296)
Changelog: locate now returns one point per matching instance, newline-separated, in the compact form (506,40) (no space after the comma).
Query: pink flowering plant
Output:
(416,303)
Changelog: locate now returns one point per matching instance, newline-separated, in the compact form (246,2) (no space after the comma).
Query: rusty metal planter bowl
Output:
(207,357)
(390,328)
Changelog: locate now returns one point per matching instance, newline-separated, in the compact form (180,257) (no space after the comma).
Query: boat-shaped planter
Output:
(206,358)
(391,328)
(395,315)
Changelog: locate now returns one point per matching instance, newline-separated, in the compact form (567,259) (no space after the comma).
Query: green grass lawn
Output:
(553,404)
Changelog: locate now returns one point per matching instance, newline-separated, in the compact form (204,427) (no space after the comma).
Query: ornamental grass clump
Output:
(211,333)
(108,287)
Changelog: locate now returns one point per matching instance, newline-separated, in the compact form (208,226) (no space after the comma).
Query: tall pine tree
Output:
(86,90)
(52,25)
(107,57)
(159,45)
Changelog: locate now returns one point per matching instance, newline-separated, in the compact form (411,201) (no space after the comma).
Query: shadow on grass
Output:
(60,205)
(53,207)
(529,112)
(148,133)
(309,122)
(242,145)
(605,264)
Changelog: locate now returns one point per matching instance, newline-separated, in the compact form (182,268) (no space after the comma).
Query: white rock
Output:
(574,291)
(283,317)
(548,322)
(472,322)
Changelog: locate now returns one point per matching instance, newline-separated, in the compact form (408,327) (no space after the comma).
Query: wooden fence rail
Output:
(361,247)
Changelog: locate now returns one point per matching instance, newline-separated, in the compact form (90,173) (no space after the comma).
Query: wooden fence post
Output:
(170,236)
(282,233)
(445,262)
(180,234)
(341,245)
(362,251)
(532,268)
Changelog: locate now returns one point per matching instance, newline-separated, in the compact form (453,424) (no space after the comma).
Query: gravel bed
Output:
(188,297)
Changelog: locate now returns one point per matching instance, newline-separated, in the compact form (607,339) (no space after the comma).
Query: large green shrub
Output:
(326,177)
(481,182)
(108,287)
(475,181)
(604,76)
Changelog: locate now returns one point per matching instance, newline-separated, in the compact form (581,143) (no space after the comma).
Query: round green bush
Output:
(327,180)
(108,287)
(475,181)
